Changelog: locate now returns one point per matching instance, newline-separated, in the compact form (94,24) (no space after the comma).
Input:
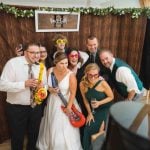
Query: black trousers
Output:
(24,120)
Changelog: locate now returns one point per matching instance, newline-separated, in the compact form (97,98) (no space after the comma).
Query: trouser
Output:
(23,120)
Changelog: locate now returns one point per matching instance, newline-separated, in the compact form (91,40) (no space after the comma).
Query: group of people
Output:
(84,79)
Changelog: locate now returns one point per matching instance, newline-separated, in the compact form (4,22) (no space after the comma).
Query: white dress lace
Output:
(56,132)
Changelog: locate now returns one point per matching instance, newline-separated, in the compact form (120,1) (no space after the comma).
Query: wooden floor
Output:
(6,144)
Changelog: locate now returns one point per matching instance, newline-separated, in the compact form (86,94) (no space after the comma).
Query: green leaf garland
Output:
(29,13)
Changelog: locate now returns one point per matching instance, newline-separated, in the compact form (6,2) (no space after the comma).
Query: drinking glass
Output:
(92,102)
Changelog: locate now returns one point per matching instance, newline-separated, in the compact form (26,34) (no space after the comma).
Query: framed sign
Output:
(46,21)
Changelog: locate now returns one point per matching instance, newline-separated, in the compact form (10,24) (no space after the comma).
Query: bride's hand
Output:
(53,90)
(68,110)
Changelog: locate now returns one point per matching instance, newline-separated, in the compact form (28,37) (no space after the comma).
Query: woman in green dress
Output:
(95,88)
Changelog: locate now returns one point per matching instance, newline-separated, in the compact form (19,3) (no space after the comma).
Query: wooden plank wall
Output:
(122,34)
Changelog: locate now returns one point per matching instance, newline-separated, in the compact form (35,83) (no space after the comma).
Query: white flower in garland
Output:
(20,12)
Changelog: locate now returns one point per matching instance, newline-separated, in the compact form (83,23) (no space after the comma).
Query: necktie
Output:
(31,76)
(30,71)
(92,57)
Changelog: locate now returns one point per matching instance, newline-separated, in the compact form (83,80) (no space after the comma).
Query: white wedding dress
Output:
(56,132)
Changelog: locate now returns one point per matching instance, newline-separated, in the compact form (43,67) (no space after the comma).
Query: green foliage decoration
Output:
(30,12)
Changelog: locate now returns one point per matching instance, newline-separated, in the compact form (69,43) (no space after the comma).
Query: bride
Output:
(56,132)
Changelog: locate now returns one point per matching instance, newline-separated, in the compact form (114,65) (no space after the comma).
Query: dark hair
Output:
(91,37)
(58,36)
(48,62)
(27,45)
(104,50)
(59,56)
(69,50)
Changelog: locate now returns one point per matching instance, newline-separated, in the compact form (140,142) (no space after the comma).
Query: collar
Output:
(94,54)
(112,65)
(25,61)
(91,53)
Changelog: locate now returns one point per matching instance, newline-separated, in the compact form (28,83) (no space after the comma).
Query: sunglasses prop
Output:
(93,75)
(61,41)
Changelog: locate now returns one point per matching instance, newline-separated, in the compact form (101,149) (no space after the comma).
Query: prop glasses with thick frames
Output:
(61,41)
(93,75)
(74,55)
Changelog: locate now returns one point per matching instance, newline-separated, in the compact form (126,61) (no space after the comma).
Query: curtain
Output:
(145,64)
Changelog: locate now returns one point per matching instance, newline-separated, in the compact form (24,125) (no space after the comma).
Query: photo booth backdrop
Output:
(121,34)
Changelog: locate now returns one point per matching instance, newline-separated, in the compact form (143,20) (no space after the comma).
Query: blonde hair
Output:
(89,67)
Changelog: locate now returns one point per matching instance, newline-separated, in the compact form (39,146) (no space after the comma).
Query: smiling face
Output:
(32,53)
(106,58)
(92,45)
(60,44)
(92,75)
(73,58)
(43,53)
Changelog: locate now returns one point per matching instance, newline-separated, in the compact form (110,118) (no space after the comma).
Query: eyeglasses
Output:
(93,75)
(33,53)
(75,55)
(61,41)
(43,52)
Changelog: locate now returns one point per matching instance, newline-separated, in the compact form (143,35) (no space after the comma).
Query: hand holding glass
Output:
(92,102)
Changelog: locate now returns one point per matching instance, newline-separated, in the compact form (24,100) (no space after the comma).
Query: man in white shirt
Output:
(15,81)
(123,77)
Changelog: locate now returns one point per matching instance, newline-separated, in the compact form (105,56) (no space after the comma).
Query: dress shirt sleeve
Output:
(8,82)
(125,76)
(84,55)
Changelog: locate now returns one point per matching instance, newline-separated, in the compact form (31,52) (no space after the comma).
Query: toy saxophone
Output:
(40,93)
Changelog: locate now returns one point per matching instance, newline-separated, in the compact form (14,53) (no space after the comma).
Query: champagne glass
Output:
(92,102)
